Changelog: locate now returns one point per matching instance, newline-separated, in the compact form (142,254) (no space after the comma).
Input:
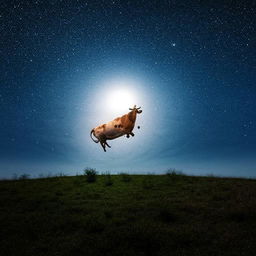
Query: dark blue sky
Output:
(191,64)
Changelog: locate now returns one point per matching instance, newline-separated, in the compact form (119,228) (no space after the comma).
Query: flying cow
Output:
(118,127)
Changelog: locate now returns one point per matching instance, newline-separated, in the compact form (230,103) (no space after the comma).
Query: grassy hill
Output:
(128,215)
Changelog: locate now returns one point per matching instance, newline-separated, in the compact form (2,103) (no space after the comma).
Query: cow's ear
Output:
(130,108)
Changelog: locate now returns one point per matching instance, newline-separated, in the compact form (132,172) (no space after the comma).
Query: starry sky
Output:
(191,64)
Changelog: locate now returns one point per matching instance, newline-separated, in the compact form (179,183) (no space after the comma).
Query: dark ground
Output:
(128,215)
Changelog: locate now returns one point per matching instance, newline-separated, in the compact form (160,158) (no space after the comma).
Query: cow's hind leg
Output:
(132,134)
(102,144)
(107,144)
(127,135)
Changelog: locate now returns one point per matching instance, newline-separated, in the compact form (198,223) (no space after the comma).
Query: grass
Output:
(149,215)
(108,179)
(125,177)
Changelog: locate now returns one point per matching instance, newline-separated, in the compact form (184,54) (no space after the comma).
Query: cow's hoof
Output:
(127,136)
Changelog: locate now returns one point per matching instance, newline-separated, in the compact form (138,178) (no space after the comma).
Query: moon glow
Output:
(120,95)
(120,99)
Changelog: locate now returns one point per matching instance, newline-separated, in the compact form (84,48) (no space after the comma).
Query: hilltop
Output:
(128,215)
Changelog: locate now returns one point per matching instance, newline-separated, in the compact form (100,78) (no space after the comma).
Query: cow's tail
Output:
(96,141)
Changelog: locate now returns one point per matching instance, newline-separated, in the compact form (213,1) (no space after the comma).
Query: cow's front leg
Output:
(127,135)
(132,134)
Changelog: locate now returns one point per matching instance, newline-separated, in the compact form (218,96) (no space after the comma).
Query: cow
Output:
(118,127)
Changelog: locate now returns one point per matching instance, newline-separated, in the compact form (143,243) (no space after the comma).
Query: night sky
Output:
(191,65)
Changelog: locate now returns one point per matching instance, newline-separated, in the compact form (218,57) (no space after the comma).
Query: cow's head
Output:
(138,111)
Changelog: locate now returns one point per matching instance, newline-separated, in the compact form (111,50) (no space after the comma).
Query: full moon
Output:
(120,96)
(120,100)
(113,96)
